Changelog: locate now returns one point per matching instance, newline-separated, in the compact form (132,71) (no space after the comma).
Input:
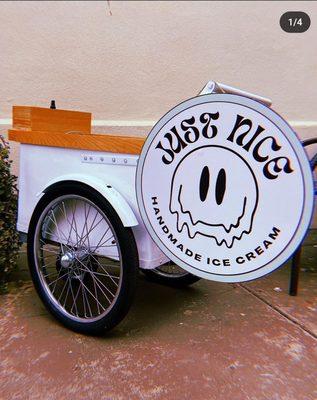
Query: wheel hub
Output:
(72,261)
(67,259)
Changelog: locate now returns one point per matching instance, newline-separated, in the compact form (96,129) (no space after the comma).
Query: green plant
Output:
(9,238)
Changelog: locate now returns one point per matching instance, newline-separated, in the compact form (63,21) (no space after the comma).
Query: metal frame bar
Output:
(217,87)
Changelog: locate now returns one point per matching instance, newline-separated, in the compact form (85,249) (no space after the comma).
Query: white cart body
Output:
(113,175)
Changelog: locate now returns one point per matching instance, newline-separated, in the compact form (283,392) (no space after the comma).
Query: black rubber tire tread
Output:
(177,282)
(129,259)
(313,162)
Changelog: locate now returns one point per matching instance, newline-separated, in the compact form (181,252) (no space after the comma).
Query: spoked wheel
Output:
(83,262)
(170,274)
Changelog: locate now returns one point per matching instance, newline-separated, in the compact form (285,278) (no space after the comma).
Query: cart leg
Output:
(293,283)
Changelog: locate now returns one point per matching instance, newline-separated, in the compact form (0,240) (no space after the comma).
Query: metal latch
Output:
(110,159)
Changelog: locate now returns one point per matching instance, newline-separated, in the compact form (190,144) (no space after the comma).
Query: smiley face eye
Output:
(204,183)
(220,186)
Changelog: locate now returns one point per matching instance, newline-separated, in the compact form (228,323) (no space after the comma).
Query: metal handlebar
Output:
(216,87)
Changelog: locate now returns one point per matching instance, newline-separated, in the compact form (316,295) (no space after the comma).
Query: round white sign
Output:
(224,187)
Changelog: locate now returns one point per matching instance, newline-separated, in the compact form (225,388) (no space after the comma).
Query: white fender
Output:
(121,206)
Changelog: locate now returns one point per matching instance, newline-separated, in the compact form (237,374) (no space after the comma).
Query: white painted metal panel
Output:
(41,166)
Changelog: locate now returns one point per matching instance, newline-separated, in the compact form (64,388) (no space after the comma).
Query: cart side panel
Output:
(40,165)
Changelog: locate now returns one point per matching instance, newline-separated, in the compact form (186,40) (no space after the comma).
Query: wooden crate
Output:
(45,119)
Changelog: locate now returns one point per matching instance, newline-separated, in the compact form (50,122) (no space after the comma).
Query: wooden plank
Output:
(109,143)
(45,119)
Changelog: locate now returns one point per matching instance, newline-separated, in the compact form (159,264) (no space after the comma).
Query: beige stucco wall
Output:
(148,56)
(131,67)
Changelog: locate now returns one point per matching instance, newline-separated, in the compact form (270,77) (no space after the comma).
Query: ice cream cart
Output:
(203,196)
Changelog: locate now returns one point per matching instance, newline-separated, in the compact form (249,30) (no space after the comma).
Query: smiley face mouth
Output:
(219,232)
(198,221)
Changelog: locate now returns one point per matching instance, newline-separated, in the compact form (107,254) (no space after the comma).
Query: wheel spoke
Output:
(65,284)
(58,278)
(58,233)
(74,299)
(98,283)
(92,275)
(71,224)
(93,296)
(107,275)
(95,287)
(95,226)
(101,266)
(86,299)
(86,220)
(81,240)
(68,287)
(50,263)
(98,246)
(54,253)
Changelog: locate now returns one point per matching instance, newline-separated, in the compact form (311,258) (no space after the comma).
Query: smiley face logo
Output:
(218,198)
